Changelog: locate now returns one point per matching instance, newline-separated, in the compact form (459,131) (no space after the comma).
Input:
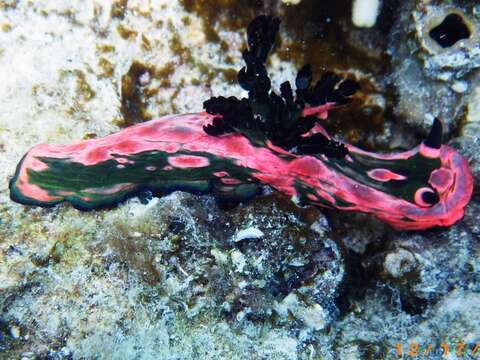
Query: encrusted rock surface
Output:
(164,279)
(179,278)
(434,80)
(470,139)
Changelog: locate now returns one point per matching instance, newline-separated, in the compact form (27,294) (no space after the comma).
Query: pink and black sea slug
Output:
(237,145)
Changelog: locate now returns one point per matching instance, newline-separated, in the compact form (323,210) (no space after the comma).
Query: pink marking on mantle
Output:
(384,175)
(418,196)
(230,181)
(428,151)
(441,179)
(320,112)
(188,161)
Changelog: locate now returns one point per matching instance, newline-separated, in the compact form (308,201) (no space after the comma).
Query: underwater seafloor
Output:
(179,278)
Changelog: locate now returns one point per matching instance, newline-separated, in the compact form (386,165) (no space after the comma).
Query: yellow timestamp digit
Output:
(398,349)
(444,347)
(460,348)
(413,349)
(476,349)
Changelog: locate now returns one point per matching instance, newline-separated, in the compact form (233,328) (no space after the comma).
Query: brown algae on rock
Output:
(133,93)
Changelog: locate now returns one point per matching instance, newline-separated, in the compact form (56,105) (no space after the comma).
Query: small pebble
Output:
(460,86)
(15,332)
(399,263)
(250,233)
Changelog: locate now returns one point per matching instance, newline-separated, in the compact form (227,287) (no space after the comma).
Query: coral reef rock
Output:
(434,59)
(180,278)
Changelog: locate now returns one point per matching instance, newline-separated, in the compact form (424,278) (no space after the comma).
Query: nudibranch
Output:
(236,145)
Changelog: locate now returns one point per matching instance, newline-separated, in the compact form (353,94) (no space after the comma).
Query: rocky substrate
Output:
(180,278)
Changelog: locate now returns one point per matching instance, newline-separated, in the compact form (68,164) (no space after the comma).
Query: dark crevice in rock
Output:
(450,30)
(357,281)
(413,305)
(388,16)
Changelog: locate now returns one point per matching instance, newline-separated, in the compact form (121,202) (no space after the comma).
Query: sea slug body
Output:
(237,145)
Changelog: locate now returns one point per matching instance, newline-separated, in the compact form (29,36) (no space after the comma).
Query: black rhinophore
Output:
(434,138)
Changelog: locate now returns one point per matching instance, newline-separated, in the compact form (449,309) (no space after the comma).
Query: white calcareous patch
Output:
(365,12)
(238,259)
(291,2)
(460,86)
(250,233)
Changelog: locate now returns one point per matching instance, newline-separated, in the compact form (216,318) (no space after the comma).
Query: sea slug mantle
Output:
(238,144)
